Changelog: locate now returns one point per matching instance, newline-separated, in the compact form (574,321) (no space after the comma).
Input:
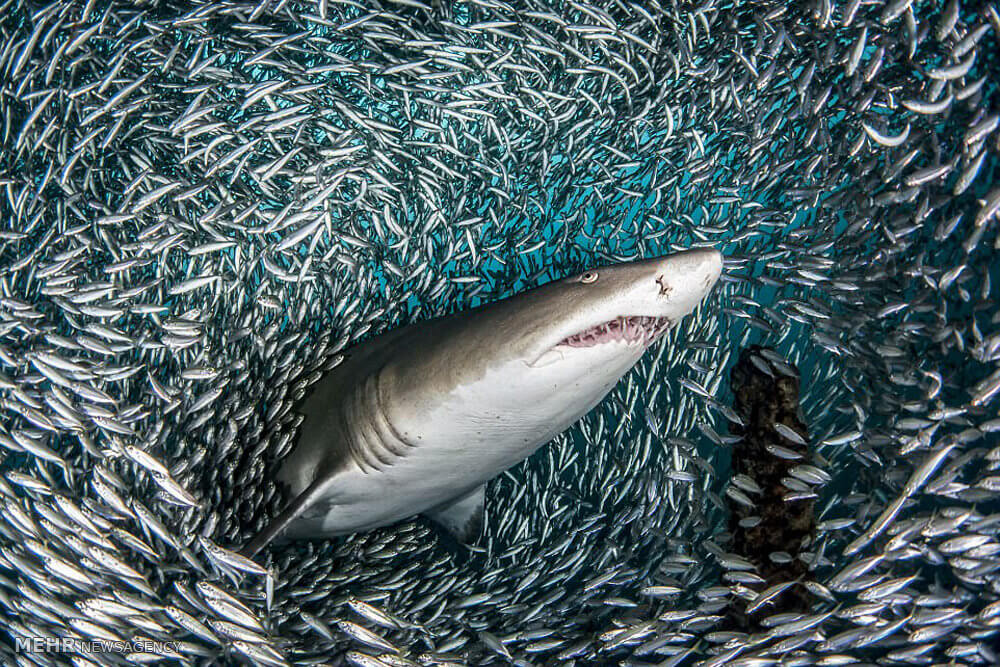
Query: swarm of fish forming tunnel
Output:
(202,206)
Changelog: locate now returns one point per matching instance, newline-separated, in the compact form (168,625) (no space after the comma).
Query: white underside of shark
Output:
(419,419)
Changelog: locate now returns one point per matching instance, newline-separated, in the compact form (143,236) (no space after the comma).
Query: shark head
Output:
(516,372)
(617,310)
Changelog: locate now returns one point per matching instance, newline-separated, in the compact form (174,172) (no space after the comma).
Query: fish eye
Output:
(588,277)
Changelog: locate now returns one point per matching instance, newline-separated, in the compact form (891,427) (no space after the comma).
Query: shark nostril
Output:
(665,289)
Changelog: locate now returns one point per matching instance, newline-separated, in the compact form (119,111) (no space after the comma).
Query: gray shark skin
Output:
(417,420)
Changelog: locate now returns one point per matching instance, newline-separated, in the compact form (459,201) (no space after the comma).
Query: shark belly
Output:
(470,436)
(359,500)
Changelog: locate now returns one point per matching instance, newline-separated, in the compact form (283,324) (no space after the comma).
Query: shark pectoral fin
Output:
(295,508)
(462,517)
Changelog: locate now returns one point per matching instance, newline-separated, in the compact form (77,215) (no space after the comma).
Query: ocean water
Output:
(203,203)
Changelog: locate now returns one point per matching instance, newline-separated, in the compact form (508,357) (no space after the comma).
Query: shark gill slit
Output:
(383,425)
(361,450)
(368,420)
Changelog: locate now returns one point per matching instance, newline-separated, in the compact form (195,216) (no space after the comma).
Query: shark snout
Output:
(708,263)
(684,279)
(702,262)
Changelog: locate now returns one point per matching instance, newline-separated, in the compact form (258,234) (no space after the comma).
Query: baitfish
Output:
(419,419)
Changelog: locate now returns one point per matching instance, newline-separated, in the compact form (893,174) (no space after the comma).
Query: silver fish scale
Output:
(201,207)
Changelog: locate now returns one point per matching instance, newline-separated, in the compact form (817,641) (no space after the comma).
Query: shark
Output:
(418,419)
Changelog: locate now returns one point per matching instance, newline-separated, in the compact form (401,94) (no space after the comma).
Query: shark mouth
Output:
(631,329)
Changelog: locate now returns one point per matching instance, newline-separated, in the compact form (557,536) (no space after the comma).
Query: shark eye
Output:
(588,277)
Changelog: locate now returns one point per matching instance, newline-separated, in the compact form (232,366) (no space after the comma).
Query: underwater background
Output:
(202,203)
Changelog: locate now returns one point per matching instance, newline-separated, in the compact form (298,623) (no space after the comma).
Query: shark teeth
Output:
(633,329)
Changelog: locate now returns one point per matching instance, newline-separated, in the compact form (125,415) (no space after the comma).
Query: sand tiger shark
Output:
(417,420)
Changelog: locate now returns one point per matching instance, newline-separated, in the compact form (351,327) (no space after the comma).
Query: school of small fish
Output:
(202,204)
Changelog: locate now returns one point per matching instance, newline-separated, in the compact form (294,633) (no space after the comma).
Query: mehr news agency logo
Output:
(71,645)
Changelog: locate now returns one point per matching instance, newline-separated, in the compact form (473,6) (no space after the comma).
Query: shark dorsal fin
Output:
(463,516)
